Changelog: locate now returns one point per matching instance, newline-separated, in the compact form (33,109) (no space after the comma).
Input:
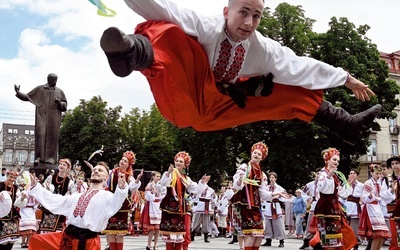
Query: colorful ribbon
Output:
(102,10)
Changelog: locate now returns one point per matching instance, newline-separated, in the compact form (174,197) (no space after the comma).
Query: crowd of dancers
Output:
(63,211)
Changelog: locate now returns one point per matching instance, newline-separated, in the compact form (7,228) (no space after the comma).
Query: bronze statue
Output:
(50,101)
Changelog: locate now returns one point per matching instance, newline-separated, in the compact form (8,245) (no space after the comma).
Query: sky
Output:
(39,37)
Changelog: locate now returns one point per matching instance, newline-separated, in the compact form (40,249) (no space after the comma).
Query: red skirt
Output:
(51,241)
(185,92)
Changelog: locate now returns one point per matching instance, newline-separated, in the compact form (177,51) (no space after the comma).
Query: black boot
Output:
(348,127)
(126,53)
(234,239)
(192,234)
(281,243)
(318,246)
(223,231)
(305,244)
(206,238)
(267,243)
(369,245)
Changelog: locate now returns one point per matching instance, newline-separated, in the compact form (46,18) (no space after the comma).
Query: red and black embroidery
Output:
(83,202)
(221,74)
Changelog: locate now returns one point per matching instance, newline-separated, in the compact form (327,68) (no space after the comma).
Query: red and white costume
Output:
(183,83)
(372,221)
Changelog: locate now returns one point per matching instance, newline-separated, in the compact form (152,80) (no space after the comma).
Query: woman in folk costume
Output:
(250,190)
(151,214)
(58,183)
(372,221)
(117,225)
(329,223)
(9,230)
(175,216)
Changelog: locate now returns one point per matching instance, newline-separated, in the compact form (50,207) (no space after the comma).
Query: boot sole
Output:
(114,40)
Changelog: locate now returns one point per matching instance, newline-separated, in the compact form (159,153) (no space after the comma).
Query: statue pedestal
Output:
(41,167)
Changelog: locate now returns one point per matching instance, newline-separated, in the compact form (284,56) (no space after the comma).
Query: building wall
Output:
(387,140)
(17,145)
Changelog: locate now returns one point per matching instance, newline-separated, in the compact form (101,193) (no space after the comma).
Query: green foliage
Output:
(89,126)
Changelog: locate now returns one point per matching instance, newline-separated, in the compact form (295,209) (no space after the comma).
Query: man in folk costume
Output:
(202,216)
(203,83)
(57,183)
(117,225)
(311,190)
(250,190)
(394,163)
(329,223)
(372,220)
(9,222)
(386,183)
(222,211)
(274,228)
(87,213)
(353,203)
(175,217)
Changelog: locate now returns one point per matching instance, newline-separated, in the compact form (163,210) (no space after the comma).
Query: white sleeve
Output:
(191,22)
(325,185)
(5,204)
(133,185)
(55,203)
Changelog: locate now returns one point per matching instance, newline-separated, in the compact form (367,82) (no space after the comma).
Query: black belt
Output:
(81,234)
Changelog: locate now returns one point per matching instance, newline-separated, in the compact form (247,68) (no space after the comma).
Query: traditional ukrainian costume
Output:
(372,220)
(204,58)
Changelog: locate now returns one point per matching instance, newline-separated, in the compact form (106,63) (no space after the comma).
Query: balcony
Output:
(378,158)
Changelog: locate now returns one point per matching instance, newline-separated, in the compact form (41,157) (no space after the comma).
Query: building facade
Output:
(384,143)
(17,145)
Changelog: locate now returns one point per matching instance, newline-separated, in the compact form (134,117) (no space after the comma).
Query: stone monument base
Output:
(41,167)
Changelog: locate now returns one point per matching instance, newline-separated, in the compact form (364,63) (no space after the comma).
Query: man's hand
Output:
(360,90)
(33,180)
(16,87)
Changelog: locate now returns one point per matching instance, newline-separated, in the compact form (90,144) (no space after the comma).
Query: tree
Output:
(88,127)
(149,135)
(343,46)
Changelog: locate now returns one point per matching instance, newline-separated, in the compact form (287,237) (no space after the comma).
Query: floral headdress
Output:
(186,157)
(131,157)
(329,152)
(262,147)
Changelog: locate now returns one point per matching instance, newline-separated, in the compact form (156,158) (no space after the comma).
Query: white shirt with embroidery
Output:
(90,210)
(254,56)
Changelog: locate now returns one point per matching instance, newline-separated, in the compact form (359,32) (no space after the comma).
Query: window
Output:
(21,157)
(15,131)
(8,157)
(32,157)
(9,130)
(394,147)
(372,150)
(31,132)
(27,131)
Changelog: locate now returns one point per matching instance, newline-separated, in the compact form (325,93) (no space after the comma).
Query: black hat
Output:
(393,158)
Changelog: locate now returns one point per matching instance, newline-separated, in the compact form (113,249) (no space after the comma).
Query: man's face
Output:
(52,81)
(243,17)
(99,174)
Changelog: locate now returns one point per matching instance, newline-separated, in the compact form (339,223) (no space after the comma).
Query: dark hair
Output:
(355,170)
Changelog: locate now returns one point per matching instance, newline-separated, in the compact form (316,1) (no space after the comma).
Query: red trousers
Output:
(51,241)
(185,92)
